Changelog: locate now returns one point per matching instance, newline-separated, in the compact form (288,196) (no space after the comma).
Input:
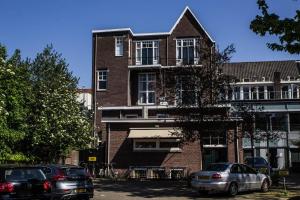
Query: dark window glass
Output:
(145,144)
(295,121)
(168,144)
(236,169)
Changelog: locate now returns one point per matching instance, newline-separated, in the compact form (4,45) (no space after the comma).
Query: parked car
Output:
(69,181)
(259,164)
(25,182)
(231,178)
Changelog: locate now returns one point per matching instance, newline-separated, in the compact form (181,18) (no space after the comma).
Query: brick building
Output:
(134,120)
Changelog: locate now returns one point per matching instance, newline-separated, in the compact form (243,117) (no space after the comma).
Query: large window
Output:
(119,46)
(102,80)
(187,51)
(156,145)
(146,88)
(147,52)
(185,91)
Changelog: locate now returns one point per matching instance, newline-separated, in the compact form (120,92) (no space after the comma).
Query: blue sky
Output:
(30,25)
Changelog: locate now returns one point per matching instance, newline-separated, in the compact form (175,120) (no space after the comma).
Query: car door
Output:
(236,174)
(252,181)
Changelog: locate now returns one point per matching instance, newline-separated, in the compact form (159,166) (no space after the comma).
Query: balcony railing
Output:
(262,95)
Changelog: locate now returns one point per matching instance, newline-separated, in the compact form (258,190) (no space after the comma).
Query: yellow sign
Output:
(283,173)
(93,159)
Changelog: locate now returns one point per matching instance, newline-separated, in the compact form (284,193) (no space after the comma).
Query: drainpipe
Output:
(95,93)
(108,149)
(237,143)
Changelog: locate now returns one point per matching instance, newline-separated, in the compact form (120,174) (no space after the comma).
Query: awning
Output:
(153,133)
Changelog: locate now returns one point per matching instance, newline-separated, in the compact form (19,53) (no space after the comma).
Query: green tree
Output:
(57,121)
(15,93)
(287,30)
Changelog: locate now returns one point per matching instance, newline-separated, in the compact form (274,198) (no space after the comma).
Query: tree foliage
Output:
(40,118)
(15,95)
(198,89)
(287,30)
(58,123)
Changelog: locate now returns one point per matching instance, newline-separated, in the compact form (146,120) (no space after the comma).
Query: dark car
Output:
(258,163)
(23,183)
(69,181)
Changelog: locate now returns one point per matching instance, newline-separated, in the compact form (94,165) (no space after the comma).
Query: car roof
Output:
(12,166)
(59,166)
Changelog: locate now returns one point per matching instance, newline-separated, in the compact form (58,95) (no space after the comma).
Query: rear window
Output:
(75,172)
(217,167)
(20,174)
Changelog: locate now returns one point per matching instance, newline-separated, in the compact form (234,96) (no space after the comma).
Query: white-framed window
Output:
(156,144)
(187,51)
(186,93)
(215,140)
(119,46)
(146,87)
(147,52)
(102,79)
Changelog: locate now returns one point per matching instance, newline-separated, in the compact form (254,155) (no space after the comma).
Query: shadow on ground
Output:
(177,189)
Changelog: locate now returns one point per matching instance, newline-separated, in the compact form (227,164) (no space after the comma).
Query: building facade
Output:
(134,118)
(272,90)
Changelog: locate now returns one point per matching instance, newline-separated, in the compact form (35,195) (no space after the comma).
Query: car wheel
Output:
(233,189)
(265,186)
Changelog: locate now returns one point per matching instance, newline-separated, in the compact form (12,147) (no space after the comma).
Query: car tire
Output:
(265,186)
(233,189)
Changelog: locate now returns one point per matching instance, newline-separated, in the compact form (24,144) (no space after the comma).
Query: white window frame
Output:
(179,44)
(157,147)
(102,77)
(178,98)
(147,91)
(119,46)
(139,48)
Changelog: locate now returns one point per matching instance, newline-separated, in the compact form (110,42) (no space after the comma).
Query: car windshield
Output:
(257,161)
(217,167)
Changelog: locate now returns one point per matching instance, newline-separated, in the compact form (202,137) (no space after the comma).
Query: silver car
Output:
(231,178)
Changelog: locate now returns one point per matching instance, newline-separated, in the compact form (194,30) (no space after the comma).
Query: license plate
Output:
(203,177)
(81,190)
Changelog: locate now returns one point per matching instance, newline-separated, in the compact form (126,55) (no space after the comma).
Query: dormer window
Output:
(119,46)
(187,51)
(147,52)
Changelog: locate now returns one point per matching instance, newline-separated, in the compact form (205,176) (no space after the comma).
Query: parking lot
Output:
(163,190)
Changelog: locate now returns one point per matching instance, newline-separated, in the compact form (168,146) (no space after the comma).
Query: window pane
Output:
(102,84)
(142,97)
(169,144)
(151,97)
(145,144)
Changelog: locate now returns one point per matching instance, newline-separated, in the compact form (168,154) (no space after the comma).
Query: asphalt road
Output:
(163,190)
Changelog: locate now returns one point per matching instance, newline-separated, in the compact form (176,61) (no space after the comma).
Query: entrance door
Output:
(213,155)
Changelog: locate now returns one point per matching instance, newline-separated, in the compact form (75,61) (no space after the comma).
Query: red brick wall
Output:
(122,154)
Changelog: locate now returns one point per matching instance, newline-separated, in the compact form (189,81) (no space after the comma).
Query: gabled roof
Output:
(261,69)
(186,10)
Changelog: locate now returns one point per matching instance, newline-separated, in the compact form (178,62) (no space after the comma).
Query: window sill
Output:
(171,150)
(101,90)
